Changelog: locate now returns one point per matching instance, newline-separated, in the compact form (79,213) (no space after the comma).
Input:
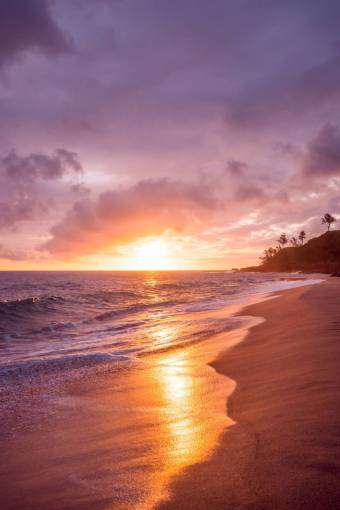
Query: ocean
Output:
(63,320)
(106,387)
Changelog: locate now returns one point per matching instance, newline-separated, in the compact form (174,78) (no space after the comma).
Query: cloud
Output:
(150,93)
(249,192)
(287,149)
(149,207)
(236,168)
(287,96)
(29,25)
(323,153)
(9,254)
(40,166)
(21,209)
(26,184)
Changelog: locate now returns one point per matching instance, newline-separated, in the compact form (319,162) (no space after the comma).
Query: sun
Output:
(151,255)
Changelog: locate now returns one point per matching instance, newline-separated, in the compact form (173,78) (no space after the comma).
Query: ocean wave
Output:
(134,308)
(31,304)
(29,369)
(101,320)
(109,296)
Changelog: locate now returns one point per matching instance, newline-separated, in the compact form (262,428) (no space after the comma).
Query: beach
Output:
(284,450)
(245,418)
(170,255)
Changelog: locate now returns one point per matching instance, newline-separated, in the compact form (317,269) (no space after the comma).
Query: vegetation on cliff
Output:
(320,254)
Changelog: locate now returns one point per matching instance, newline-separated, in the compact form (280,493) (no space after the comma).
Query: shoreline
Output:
(172,412)
(284,450)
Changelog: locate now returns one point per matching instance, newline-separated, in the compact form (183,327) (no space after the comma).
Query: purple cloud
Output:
(249,192)
(40,166)
(25,184)
(322,157)
(154,93)
(29,25)
(236,168)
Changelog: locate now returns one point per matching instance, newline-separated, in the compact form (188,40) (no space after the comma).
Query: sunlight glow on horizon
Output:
(165,252)
(151,255)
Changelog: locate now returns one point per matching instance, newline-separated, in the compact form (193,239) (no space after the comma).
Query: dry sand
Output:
(284,451)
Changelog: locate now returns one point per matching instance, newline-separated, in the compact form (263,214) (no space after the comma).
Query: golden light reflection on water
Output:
(189,400)
(164,336)
(188,396)
(192,415)
(178,387)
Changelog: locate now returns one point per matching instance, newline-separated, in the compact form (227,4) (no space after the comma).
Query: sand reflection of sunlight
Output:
(189,399)
(179,386)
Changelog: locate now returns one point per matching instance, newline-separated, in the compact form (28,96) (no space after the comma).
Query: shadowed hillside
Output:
(320,254)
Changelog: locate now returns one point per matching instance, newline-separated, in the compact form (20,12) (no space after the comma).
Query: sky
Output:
(148,134)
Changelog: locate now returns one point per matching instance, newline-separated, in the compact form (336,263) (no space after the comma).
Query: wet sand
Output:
(284,450)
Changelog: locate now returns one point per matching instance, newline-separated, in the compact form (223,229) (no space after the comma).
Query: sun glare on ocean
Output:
(151,255)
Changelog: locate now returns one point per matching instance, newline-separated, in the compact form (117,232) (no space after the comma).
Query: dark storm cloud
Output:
(27,25)
(322,158)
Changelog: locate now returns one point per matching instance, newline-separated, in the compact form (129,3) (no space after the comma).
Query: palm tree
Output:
(268,254)
(265,257)
(294,242)
(283,239)
(302,236)
(327,219)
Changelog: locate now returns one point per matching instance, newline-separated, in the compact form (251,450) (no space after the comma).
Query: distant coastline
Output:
(319,255)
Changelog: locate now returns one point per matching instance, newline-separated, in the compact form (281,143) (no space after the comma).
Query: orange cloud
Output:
(148,208)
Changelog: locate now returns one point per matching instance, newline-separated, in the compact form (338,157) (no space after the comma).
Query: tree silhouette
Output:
(302,236)
(327,219)
(294,242)
(265,257)
(283,239)
(268,254)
